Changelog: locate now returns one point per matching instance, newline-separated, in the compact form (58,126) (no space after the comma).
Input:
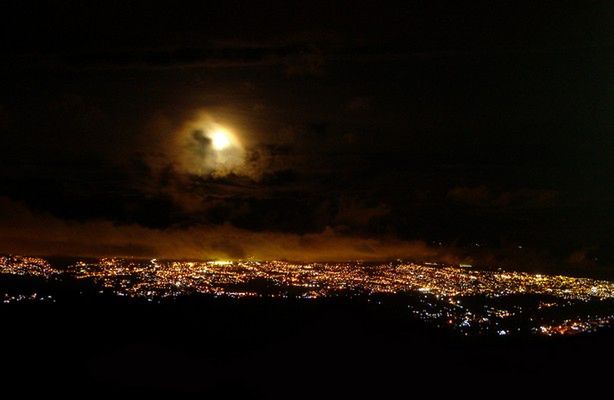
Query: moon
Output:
(220,139)
(205,147)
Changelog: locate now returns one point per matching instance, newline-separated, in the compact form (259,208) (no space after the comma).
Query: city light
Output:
(468,300)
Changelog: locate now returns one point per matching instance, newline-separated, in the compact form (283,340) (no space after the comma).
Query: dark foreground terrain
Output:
(221,348)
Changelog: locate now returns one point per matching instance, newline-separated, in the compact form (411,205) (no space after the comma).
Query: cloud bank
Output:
(27,231)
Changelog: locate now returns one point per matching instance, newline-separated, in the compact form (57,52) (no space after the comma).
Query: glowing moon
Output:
(220,139)
(202,146)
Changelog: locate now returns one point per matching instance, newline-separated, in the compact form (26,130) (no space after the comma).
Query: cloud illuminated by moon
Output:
(203,146)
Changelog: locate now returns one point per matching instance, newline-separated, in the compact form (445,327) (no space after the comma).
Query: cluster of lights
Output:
(31,266)
(572,327)
(31,298)
(468,300)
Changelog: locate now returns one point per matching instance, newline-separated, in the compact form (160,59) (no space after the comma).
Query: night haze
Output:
(440,170)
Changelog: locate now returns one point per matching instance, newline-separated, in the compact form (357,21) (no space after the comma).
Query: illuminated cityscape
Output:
(306,200)
(463,299)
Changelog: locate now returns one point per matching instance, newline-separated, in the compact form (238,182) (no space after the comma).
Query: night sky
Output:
(431,130)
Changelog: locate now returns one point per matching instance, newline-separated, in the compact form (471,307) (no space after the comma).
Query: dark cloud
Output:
(358,104)
(297,59)
(481,196)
